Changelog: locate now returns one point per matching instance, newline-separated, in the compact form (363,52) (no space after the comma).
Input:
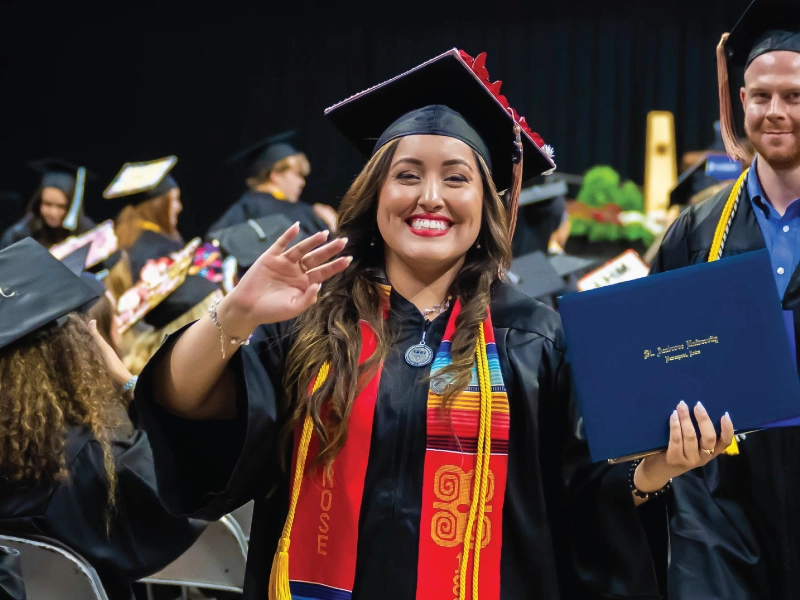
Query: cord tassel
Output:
(726,127)
(512,194)
(279,574)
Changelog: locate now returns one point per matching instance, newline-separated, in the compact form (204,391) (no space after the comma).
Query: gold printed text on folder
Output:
(677,352)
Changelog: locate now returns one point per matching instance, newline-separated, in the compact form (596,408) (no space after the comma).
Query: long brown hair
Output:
(330,330)
(156,210)
(50,380)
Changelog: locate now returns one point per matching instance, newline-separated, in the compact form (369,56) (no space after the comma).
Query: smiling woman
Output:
(411,412)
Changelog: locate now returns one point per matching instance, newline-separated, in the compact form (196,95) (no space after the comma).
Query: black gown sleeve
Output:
(593,516)
(143,537)
(206,469)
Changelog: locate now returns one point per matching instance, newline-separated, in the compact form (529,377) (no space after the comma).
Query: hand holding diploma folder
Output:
(712,333)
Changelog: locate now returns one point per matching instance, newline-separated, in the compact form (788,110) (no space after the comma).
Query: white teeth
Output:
(428,224)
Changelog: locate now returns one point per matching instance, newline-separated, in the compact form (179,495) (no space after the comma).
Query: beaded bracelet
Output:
(639,493)
(212,312)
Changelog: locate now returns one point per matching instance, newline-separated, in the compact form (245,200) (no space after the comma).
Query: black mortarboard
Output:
(766,26)
(35,290)
(449,95)
(567,264)
(265,154)
(191,292)
(249,240)
(76,261)
(535,275)
(140,181)
(706,172)
(70,179)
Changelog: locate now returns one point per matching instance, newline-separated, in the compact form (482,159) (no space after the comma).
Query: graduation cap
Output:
(449,95)
(36,289)
(705,173)
(567,264)
(249,240)
(143,298)
(76,262)
(766,26)
(140,181)
(101,241)
(190,293)
(70,179)
(534,275)
(263,155)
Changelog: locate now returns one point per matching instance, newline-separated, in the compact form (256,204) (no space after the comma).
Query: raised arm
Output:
(192,381)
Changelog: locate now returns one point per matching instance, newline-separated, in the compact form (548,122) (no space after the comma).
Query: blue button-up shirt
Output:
(781,233)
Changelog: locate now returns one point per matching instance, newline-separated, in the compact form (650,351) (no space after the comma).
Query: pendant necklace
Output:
(420,355)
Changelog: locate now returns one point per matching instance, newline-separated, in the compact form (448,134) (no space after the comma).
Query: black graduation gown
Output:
(150,245)
(22,229)
(735,524)
(254,205)
(12,587)
(570,529)
(144,537)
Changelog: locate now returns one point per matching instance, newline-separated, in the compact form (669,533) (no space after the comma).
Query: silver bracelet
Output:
(212,312)
(130,384)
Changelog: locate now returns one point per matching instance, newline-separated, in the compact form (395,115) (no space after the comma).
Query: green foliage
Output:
(601,186)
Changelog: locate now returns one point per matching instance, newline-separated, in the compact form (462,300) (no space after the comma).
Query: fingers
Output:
(308,297)
(726,434)
(302,248)
(283,242)
(330,269)
(323,254)
(690,450)
(675,448)
(708,435)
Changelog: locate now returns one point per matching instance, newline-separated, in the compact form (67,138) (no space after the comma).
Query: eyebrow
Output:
(447,163)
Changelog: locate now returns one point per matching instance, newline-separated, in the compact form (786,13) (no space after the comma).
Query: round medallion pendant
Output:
(419,355)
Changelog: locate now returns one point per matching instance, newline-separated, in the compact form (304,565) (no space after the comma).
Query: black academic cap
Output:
(708,171)
(766,26)
(35,290)
(76,261)
(265,154)
(67,177)
(191,293)
(449,95)
(140,181)
(567,264)
(249,240)
(535,276)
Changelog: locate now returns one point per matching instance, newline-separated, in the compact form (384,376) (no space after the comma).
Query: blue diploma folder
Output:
(712,332)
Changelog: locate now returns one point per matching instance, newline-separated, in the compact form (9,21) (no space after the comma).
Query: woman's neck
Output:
(423,288)
(782,187)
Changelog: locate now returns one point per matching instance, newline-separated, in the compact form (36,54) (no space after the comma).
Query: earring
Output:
(478,244)
(372,241)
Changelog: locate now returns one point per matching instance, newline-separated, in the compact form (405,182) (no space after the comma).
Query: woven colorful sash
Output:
(465,470)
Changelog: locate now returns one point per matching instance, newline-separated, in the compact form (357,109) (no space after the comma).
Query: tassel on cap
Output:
(732,146)
(71,220)
(512,193)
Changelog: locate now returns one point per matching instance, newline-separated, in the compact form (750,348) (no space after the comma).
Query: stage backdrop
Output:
(101,89)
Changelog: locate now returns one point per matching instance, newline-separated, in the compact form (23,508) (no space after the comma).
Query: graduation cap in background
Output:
(70,179)
(766,26)
(189,294)
(36,289)
(249,240)
(76,262)
(710,171)
(101,242)
(449,95)
(263,155)
(534,275)
(140,181)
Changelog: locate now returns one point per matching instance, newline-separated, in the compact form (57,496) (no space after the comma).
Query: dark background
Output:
(139,81)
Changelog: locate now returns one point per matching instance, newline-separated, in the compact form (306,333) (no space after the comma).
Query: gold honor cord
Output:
(279,576)
(718,245)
